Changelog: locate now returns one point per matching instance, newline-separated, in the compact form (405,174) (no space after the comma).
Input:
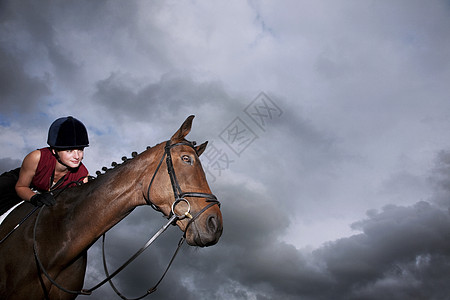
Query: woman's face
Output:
(72,157)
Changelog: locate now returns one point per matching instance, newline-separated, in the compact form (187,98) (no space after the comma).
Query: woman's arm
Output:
(27,171)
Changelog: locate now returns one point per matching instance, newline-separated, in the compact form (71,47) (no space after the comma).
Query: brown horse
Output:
(65,231)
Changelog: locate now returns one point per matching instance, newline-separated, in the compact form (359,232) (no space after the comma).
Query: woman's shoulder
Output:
(31,161)
(34,156)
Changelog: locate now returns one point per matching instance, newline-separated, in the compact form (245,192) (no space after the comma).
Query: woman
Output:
(50,168)
(57,166)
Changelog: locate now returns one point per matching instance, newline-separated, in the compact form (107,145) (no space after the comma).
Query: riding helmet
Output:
(67,133)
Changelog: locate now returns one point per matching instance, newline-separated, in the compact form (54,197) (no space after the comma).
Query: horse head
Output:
(179,187)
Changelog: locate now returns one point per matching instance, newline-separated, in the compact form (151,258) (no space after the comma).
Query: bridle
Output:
(179,196)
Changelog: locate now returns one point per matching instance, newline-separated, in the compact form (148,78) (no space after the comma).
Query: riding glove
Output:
(43,199)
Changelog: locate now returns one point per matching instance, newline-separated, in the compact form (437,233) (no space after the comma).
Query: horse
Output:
(62,234)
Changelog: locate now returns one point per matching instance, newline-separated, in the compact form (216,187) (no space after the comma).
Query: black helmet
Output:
(66,133)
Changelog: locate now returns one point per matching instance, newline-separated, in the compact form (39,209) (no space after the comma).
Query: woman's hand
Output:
(43,199)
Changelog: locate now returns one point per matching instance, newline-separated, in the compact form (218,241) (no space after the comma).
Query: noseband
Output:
(179,195)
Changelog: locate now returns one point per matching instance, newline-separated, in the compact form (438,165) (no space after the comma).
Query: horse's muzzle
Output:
(205,231)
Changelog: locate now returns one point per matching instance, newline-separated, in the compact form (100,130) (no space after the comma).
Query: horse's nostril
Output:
(212,223)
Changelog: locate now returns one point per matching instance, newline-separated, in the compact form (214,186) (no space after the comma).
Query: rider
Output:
(51,168)
(54,167)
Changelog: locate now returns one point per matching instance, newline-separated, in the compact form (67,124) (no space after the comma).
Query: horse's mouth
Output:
(204,241)
(207,235)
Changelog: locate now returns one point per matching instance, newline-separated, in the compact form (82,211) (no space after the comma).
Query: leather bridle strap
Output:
(41,266)
(150,290)
(149,202)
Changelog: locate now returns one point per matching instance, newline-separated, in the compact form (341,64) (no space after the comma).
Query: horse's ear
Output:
(200,149)
(183,131)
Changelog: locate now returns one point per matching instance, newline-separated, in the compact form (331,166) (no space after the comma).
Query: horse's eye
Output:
(187,159)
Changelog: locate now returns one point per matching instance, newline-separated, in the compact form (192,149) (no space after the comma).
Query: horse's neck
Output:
(110,198)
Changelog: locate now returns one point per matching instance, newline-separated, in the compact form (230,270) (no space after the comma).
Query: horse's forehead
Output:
(184,146)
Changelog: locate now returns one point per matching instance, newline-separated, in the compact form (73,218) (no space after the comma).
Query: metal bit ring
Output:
(187,214)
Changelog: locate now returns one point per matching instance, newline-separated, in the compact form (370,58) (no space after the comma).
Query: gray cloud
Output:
(398,245)
(440,180)
(7,164)
(20,92)
(171,98)
(401,252)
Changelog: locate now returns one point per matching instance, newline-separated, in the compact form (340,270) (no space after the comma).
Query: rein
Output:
(20,223)
(173,217)
(109,277)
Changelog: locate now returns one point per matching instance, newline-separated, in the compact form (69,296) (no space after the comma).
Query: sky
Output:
(327,124)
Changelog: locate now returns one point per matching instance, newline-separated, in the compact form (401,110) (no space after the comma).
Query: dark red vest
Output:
(46,168)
